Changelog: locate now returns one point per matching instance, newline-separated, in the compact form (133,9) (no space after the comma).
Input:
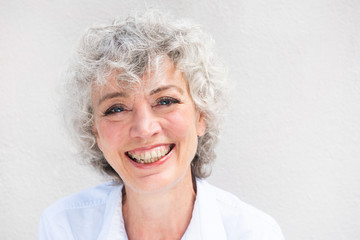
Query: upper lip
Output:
(146,148)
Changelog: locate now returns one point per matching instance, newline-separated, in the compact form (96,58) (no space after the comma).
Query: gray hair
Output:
(133,47)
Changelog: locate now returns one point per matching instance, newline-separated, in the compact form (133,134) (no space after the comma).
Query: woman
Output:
(145,101)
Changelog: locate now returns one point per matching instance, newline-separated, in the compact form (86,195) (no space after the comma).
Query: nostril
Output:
(145,123)
(145,128)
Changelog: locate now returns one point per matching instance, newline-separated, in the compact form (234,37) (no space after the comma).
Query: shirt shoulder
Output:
(88,198)
(243,221)
(78,216)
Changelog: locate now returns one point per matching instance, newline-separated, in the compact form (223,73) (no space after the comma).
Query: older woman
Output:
(145,101)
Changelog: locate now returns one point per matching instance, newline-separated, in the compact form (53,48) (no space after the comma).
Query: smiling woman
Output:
(145,100)
(148,134)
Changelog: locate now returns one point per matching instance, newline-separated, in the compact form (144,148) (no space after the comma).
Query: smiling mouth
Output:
(150,156)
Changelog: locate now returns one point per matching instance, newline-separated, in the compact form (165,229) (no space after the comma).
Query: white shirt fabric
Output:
(96,213)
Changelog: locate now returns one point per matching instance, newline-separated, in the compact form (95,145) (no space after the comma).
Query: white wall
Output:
(290,147)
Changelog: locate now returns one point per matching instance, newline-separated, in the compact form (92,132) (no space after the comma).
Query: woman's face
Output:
(148,133)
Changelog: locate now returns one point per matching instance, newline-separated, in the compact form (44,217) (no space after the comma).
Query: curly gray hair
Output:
(132,48)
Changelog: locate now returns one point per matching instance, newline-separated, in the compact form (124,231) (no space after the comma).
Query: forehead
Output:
(165,74)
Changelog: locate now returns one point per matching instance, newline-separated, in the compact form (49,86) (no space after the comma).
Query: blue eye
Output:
(114,109)
(167,101)
(164,102)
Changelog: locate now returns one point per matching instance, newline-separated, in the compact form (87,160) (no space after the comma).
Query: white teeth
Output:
(147,156)
(150,156)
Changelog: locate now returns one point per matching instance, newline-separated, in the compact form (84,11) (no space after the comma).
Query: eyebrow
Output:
(157,90)
(124,94)
(112,95)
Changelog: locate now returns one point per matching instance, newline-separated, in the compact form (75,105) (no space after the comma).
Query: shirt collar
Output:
(206,221)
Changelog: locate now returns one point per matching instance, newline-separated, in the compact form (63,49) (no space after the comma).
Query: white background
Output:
(291,143)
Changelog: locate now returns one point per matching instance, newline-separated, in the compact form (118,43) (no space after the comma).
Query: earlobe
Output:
(97,137)
(201,126)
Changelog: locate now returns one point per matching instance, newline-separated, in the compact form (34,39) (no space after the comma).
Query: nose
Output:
(145,123)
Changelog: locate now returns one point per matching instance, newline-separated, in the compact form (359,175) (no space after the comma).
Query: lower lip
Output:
(154,164)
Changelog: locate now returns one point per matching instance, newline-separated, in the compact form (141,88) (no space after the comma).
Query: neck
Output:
(162,215)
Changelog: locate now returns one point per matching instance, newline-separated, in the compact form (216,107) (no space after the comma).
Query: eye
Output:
(114,109)
(167,101)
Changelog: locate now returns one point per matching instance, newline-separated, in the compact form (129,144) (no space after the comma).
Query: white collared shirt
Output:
(96,213)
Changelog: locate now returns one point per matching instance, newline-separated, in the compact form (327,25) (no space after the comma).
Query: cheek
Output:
(109,134)
(181,124)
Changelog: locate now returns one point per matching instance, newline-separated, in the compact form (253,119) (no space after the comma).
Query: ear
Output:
(95,131)
(201,125)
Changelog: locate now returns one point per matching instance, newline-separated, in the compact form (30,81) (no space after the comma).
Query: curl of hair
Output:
(134,47)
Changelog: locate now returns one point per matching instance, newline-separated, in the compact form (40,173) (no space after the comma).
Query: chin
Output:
(157,183)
